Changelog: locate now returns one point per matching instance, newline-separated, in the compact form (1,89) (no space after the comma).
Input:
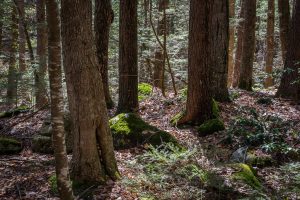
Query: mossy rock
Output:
(260,161)
(129,130)
(15,111)
(9,146)
(248,175)
(42,144)
(174,120)
(264,101)
(210,127)
(144,90)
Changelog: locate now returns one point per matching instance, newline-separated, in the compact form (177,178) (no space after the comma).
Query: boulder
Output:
(210,127)
(9,146)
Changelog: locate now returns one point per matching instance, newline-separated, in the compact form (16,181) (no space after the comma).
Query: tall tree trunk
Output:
(231,42)
(86,96)
(199,98)
(103,18)
(57,102)
(128,68)
(219,33)
(248,47)
(290,82)
(12,70)
(239,46)
(1,26)
(284,20)
(270,43)
(40,73)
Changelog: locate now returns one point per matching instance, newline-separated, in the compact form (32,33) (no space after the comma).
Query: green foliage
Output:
(144,90)
(130,130)
(247,175)
(211,126)
(291,177)
(174,120)
(9,146)
(53,184)
(259,160)
(215,109)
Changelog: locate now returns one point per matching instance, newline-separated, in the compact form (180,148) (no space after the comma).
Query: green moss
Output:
(211,126)
(183,93)
(248,175)
(174,120)
(259,161)
(9,146)
(42,144)
(53,184)
(144,90)
(130,130)
(14,111)
(215,109)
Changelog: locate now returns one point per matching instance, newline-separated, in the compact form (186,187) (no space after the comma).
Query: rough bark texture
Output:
(57,103)
(12,70)
(219,33)
(199,98)
(128,68)
(284,19)
(1,26)
(248,47)
(289,86)
(40,73)
(22,39)
(270,43)
(239,49)
(103,19)
(86,96)
(231,42)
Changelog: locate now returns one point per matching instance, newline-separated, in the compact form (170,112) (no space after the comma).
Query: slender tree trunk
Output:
(239,49)
(57,103)
(22,39)
(1,26)
(219,33)
(86,96)
(270,43)
(103,18)
(248,47)
(284,20)
(231,42)
(199,99)
(128,68)
(290,82)
(12,70)
(40,83)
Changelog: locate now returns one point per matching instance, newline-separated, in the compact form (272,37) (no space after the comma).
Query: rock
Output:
(42,144)
(9,146)
(129,130)
(15,111)
(259,160)
(240,155)
(210,127)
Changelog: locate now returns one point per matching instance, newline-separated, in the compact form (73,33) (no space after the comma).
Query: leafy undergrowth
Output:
(257,125)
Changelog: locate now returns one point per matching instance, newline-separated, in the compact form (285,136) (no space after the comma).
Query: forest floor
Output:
(256,122)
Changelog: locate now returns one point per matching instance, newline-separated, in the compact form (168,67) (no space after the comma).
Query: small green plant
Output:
(248,176)
(53,184)
(144,90)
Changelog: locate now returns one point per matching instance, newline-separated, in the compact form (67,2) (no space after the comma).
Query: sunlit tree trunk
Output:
(103,19)
(270,43)
(290,82)
(248,47)
(86,96)
(40,72)
(231,42)
(284,18)
(57,102)
(128,66)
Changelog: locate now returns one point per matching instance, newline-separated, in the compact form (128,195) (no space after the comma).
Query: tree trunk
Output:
(284,20)
(103,18)
(1,26)
(128,68)
(199,98)
(270,43)
(289,86)
(231,42)
(86,96)
(22,39)
(57,103)
(40,73)
(248,47)
(239,49)
(219,33)
(12,70)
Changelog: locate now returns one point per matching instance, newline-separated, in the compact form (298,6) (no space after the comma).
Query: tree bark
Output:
(12,70)
(103,19)
(231,42)
(57,103)
(239,49)
(1,26)
(22,38)
(248,47)
(86,96)
(219,33)
(199,98)
(40,73)
(270,43)
(284,20)
(128,68)
(290,82)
